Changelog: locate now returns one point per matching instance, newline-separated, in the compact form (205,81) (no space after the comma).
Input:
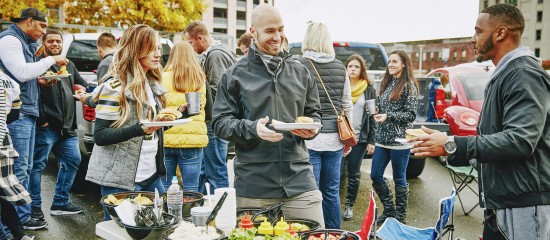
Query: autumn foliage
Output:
(162,15)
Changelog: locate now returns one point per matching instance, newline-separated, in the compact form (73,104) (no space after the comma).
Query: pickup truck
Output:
(450,101)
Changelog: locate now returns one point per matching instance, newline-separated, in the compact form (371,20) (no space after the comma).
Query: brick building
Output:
(435,53)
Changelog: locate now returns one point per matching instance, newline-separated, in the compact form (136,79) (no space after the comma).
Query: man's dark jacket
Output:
(57,104)
(513,143)
(248,92)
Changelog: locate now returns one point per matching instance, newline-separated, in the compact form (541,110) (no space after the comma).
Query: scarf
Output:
(358,90)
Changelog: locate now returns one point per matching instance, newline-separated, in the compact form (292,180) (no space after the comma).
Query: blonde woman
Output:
(184,144)
(326,150)
(128,156)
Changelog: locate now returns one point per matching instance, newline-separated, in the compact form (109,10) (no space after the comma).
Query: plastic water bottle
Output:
(174,199)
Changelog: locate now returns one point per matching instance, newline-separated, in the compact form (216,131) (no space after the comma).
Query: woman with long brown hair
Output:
(397,106)
(127,155)
(184,144)
(363,126)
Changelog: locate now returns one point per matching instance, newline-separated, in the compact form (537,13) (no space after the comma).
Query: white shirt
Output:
(11,54)
(147,165)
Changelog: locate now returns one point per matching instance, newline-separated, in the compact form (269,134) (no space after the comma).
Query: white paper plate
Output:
(294,126)
(404,142)
(55,76)
(167,123)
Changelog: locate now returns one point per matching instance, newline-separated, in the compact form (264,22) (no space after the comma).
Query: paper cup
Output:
(194,100)
(371,106)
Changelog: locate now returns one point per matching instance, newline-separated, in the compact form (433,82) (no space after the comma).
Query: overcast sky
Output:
(381,20)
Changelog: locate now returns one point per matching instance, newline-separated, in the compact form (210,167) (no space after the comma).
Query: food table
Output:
(110,230)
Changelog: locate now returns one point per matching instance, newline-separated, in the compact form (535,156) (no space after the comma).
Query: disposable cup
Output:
(199,215)
(194,100)
(371,106)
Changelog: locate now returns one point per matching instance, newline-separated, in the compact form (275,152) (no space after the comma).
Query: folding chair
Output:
(463,177)
(369,221)
(395,230)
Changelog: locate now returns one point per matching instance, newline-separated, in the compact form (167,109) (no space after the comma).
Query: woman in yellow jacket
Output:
(183,144)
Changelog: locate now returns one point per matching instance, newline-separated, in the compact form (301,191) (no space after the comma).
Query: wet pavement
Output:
(425,192)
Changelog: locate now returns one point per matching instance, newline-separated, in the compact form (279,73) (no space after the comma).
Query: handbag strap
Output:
(323,84)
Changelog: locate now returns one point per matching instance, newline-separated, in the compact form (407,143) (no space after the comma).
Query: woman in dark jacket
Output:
(398,101)
(364,127)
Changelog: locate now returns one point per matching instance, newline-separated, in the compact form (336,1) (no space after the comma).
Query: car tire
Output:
(415,167)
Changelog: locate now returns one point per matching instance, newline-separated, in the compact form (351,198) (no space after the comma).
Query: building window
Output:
(497,2)
(454,55)
(541,1)
(538,34)
(464,54)
(220,13)
(485,4)
(256,2)
(537,52)
(539,16)
(220,30)
(513,2)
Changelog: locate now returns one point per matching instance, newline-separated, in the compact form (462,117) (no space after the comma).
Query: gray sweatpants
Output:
(525,223)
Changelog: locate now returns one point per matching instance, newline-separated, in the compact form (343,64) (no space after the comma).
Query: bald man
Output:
(271,166)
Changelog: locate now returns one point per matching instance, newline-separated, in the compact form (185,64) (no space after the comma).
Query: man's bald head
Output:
(268,29)
(264,12)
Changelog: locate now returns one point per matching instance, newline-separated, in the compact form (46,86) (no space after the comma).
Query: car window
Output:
(445,84)
(474,84)
(83,53)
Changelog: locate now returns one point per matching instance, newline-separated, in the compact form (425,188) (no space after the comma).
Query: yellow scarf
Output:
(358,90)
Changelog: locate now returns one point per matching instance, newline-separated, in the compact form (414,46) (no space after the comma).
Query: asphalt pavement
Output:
(425,192)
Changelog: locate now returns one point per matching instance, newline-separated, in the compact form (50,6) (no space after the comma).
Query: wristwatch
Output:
(450,145)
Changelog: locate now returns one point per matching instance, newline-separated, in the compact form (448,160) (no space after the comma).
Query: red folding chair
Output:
(369,221)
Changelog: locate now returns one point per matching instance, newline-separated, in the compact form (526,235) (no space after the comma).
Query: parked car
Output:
(81,49)
(450,100)
(374,54)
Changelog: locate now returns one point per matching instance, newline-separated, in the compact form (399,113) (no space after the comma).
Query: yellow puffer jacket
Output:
(189,135)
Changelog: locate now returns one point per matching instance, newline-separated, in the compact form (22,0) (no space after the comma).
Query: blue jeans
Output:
(326,169)
(149,188)
(399,161)
(22,133)
(189,160)
(67,153)
(214,169)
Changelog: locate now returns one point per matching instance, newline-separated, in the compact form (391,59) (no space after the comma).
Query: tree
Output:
(162,15)
(9,9)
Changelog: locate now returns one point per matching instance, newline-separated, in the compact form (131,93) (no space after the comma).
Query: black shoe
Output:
(36,213)
(33,224)
(66,209)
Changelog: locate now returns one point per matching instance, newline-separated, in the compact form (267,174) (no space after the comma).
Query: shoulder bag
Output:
(345,131)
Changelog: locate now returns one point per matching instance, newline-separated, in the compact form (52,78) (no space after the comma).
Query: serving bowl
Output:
(127,195)
(141,232)
(336,232)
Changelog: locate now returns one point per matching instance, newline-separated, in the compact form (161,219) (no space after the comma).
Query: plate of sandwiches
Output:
(166,117)
(410,133)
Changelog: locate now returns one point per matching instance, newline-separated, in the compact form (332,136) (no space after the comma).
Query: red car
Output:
(460,96)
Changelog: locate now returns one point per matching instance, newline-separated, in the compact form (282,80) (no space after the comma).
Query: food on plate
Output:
(412,133)
(323,237)
(251,234)
(187,230)
(139,200)
(303,119)
(167,114)
(63,70)
(299,227)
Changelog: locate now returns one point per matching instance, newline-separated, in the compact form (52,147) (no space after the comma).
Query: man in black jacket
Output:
(512,147)
(55,130)
(270,166)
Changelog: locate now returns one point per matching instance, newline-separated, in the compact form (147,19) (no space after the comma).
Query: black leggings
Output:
(10,218)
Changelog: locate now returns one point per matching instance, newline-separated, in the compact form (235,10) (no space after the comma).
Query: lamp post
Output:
(421,46)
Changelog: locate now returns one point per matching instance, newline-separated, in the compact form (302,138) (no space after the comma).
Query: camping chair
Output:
(369,221)
(393,229)
(463,177)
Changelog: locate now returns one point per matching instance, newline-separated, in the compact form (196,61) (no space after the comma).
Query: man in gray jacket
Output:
(216,58)
(270,166)
(512,147)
